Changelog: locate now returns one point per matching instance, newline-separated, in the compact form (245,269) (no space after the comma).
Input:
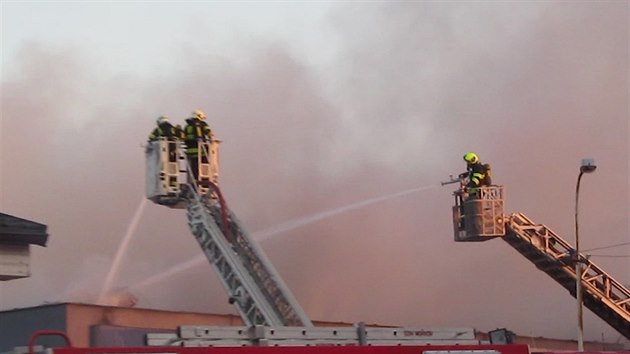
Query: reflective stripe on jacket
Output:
(164,130)
(196,130)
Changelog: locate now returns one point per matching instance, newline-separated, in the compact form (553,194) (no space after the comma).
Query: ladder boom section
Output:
(602,294)
(262,271)
(254,286)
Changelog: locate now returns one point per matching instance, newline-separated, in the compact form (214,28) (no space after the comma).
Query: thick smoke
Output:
(531,87)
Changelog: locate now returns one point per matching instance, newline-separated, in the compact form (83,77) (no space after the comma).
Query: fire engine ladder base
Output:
(209,336)
(603,295)
(252,283)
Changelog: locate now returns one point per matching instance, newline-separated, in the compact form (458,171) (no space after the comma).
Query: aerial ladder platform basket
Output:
(480,216)
(167,170)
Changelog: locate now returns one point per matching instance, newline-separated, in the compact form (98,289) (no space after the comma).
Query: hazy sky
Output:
(321,106)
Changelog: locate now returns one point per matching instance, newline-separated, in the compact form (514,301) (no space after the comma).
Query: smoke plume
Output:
(532,87)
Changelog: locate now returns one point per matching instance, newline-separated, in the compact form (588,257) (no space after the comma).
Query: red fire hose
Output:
(224,214)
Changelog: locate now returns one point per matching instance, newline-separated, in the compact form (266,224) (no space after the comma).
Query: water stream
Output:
(120,253)
(282,228)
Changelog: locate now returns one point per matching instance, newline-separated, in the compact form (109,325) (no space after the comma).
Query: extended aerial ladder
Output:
(252,283)
(480,217)
(269,311)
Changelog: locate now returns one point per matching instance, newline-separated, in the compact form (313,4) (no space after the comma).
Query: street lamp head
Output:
(588,166)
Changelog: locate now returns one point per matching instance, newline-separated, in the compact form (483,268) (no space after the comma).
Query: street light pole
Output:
(587,166)
(578,271)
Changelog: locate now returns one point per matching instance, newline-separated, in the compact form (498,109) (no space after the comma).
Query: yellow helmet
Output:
(471,158)
(199,115)
(161,120)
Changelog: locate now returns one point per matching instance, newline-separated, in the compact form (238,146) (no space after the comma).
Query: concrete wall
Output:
(81,318)
(17,326)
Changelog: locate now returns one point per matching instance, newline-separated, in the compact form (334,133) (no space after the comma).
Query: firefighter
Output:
(197,130)
(166,130)
(478,174)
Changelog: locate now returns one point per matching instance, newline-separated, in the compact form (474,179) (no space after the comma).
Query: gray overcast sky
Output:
(140,36)
(321,105)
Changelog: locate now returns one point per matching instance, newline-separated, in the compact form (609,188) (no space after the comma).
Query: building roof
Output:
(22,231)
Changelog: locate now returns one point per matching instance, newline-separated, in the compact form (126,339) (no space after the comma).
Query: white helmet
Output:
(198,115)
(162,119)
